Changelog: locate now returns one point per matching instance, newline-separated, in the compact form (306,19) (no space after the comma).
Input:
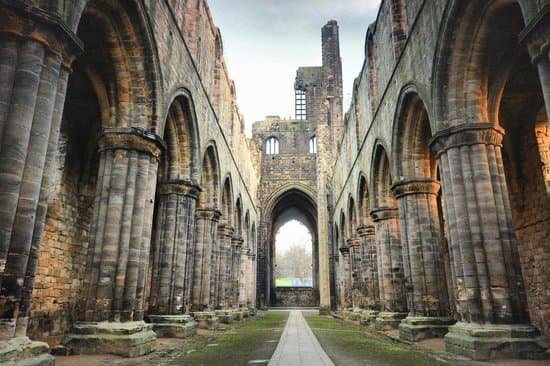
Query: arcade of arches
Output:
(133,206)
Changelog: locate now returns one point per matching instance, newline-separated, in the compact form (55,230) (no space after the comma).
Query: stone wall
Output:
(296,297)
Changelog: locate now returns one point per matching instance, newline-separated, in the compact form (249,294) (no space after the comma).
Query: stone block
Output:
(416,328)
(206,320)
(173,326)
(131,339)
(224,316)
(22,351)
(368,317)
(489,341)
(388,320)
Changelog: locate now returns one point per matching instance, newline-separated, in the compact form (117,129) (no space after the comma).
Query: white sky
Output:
(292,233)
(265,41)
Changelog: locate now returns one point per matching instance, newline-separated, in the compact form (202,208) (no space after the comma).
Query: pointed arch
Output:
(210,176)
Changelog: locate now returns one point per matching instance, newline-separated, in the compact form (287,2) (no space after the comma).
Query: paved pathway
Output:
(298,346)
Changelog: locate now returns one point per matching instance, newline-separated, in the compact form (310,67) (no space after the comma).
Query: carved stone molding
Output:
(131,138)
(466,134)
(415,186)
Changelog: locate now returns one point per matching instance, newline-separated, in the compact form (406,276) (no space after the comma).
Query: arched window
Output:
(272,146)
(313,145)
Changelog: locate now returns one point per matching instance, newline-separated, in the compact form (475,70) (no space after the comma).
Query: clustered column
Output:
(423,262)
(369,269)
(236,249)
(35,57)
(391,277)
(206,231)
(355,280)
(487,277)
(225,233)
(172,246)
(346,280)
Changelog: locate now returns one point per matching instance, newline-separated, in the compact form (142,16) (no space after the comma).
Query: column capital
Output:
(26,21)
(344,251)
(466,134)
(208,214)
(415,186)
(365,230)
(353,242)
(131,138)
(179,187)
(536,35)
(225,230)
(384,213)
(237,242)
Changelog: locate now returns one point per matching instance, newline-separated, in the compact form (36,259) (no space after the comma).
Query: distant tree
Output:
(295,262)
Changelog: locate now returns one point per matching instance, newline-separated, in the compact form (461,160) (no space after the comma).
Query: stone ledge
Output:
(388,320)
(130,339)
(23,351)
(489,341)
(416,328)
(173,326)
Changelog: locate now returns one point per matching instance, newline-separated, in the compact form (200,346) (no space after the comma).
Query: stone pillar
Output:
(535,36)
(422,259)
(236,249)
(356,295)
(391,276)
(225,233)
(251,282)
(172,249)
(346,277)
(487,276)
(206,223)
(369,273)
(118,256)
(36,51)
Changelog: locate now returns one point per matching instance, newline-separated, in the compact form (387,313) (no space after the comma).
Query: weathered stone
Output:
(206,320)
(130,339)
(22,351)
(173,326)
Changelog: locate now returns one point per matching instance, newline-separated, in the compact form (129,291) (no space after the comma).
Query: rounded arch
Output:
(210,176)
(381,178)
(276,195)
(227,201)
(469,47)
(352,218)
(120,50)
(411,156)
(239,217)
(363,201)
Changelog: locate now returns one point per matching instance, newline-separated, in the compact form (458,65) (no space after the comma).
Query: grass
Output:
(349,344)
(241,343)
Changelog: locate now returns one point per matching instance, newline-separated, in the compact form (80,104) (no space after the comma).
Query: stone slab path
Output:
(298,346)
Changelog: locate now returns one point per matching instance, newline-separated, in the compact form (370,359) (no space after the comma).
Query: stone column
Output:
(346,277)
(391,276)
(535,36)
(236,249)
(118,256)
(172,246)
(206,229)
(422,259)
(36,51)
(251,282)
(487,275)
(369,273)
(354,245)
(225,233)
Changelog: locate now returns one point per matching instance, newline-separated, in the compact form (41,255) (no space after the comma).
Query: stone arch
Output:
(381,178)
(209,183)
(352,218)
(371,62)
(247,229)
(411,153)
(227,202)
(363,201)
(238,220)
(120,54)
(463,90)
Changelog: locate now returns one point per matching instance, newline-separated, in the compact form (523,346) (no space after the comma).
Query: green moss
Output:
(349,344)
(238,346)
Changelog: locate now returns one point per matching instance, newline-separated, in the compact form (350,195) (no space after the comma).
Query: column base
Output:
(368,317)
(489,341)
(324,310)
(206,320)
(173,326)
(354,315)
(130,339)
(224,316)
(251,312)
(386,320)
(237,315)
(23,351)
(416,328)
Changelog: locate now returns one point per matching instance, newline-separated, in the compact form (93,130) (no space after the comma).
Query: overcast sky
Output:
(265,41)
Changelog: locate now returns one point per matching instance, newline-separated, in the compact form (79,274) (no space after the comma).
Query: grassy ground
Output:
(348,344)
(231,345)
(254,340)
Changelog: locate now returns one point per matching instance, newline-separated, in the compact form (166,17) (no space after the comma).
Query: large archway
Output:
(292,209)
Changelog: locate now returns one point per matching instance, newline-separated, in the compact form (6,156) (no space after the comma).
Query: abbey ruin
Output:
(133,206)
